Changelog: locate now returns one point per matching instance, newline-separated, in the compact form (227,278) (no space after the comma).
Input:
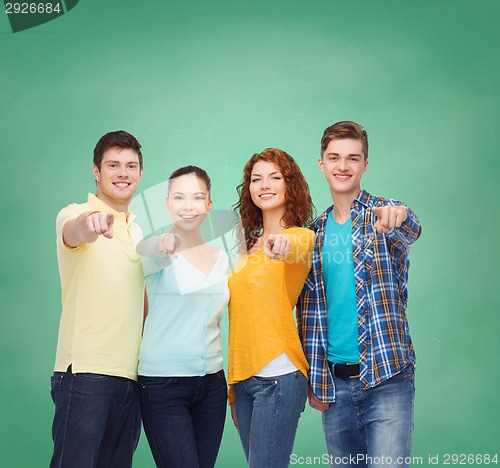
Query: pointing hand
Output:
(276,246)
(169,244)
(316,403)
(101,223)
(389,217)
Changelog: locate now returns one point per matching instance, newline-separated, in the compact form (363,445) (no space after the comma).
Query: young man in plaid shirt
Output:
(352,312)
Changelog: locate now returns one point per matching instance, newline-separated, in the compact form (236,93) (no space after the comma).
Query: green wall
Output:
(210,83)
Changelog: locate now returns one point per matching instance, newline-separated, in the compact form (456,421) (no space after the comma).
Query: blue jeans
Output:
(184,418)
(366,428)
(268,411)
(97,420)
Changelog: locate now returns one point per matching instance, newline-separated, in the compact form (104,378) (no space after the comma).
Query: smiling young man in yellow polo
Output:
(97,417)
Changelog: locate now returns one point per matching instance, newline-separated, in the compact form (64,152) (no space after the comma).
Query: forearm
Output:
(153,259)
(230,395)
(150,247)
(301,249)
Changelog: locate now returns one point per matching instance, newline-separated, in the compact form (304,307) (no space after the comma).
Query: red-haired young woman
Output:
(267,369)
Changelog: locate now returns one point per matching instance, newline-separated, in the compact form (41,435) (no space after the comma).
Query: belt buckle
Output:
(353,364)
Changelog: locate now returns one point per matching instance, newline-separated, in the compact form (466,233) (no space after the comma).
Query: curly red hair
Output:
(299,207)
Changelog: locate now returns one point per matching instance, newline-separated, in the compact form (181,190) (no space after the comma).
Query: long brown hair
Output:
(299,207)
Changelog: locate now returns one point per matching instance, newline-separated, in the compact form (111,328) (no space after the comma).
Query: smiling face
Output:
(343,164)
(118,178)
(267,186)
(188,201)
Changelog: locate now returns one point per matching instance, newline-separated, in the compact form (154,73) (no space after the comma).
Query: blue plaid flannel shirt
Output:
(381,274)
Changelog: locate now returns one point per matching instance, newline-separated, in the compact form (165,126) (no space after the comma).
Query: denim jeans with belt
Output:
(184,418)
(97,420)
(366,428)
(268,411)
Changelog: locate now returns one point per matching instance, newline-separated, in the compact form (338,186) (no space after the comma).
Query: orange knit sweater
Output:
(263,294)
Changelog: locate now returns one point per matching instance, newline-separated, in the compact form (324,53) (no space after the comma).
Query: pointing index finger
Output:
(110,218)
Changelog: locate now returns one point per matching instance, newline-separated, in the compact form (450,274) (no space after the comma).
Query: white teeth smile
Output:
(121,184)
(188,217)
(266,196)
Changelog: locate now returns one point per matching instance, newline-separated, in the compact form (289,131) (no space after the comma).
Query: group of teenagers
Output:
(317,310)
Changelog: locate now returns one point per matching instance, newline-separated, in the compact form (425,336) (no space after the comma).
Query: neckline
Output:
(194,267)
(336,223)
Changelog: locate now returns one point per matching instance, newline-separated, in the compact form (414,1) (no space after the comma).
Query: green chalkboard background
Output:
(210,83)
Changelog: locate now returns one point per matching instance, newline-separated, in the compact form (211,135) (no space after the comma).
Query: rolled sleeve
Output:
(409,231)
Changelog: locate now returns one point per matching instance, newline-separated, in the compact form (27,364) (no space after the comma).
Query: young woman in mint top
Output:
(267,368)
(182,387)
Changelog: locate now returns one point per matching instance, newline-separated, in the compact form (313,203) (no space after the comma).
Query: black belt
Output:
(344,370)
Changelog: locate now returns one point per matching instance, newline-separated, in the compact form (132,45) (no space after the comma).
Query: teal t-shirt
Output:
(338,276)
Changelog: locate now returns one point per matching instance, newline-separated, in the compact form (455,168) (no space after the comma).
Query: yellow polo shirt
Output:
(102,297)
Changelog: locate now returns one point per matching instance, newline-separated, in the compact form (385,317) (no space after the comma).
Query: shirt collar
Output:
(321,220)
(363,198)
(99,205)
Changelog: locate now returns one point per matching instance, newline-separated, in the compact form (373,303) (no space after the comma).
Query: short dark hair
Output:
(343,131)
(197,171)
(118,139)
